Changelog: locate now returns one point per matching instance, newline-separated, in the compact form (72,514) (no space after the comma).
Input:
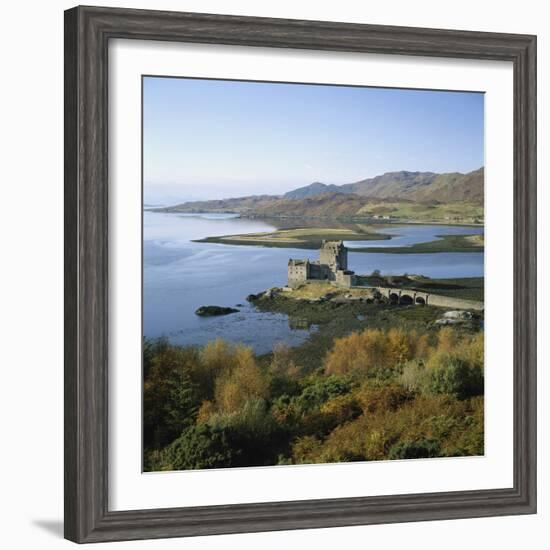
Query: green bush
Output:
(320,391)
(253,433)
(454,376)
(199,447)
(426,448)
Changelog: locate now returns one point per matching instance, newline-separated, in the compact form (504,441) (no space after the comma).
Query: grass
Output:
(304,237)
(459,212)
(446,243)
(314,290)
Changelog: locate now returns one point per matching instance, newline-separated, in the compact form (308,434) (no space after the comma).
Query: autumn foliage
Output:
(376,395)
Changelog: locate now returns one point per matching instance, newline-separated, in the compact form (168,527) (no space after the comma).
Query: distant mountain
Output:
(455,187)
(415,186)
(235,205)
(391,184)
(332,205)
(316,188)
(394,194)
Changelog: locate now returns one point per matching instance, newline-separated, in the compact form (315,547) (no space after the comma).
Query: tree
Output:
(245,381)
(200,447)
(170,397)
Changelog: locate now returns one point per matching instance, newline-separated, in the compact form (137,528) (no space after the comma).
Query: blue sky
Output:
(216,139)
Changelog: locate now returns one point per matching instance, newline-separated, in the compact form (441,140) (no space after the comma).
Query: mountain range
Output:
(361,198)
(414,186)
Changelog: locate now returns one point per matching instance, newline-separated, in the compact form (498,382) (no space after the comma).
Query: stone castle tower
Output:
(332,266)
(334,254)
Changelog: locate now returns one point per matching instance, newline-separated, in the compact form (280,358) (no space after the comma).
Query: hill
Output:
(422,196)
(240,205)
(315,188)
(414,186)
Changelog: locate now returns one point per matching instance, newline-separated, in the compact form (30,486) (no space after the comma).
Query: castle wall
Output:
(345,278)
(320,272)
(297,274)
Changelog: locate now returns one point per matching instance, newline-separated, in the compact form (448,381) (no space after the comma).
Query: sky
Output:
(213,139)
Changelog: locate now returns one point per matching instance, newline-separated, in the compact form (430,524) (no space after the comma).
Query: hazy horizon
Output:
(216,139)
(195,198)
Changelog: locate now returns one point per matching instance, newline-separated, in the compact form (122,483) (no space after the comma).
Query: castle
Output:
(331,266)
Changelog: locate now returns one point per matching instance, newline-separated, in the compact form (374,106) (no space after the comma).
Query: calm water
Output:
(180,275)
(414,234)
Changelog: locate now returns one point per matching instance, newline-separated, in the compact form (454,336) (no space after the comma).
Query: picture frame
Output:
(87,34)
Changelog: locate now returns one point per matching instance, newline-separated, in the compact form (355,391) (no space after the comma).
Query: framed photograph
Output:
(300,274)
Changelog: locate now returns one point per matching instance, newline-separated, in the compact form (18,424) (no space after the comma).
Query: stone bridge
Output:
(410,296)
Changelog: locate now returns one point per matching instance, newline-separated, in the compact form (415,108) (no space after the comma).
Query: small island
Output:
(211,311)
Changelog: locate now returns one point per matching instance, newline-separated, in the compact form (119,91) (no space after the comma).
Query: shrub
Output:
(372,398)
(426,448)
(216,358)
(455,376)
(322,389)
(342,408)
(323,403)
(361,352)
(446,340)
(200,447)
(245,381)
(254,433)
(205,412)
(282,363)
(357,353)
(306,450)
(413,375)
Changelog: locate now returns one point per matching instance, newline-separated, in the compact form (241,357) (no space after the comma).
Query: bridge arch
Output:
(404,296)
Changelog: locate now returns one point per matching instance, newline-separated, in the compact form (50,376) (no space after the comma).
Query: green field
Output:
(457,212)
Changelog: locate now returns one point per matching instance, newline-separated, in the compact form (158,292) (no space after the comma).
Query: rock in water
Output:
(210,311)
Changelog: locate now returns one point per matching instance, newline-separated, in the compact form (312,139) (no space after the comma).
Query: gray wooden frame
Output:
(87,34)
